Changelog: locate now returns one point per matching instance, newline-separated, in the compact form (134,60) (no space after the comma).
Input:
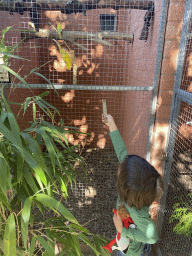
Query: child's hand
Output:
(118,222)
(109,121)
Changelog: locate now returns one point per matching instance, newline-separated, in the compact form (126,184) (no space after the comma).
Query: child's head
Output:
(138,182)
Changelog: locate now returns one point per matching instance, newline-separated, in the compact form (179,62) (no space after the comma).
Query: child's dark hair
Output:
(138,182)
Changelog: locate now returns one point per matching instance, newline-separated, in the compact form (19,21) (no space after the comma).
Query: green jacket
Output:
(146,231)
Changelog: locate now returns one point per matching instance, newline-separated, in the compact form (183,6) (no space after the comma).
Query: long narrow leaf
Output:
(80,228)
(26,104)
(52,203)
(10,237)
(32,247)
(62,180)
(47,80)
(4,200)
(15,130)
(33,164)
(3,174)
(43,94)
(49,146)
(86,240)
(25,215)
(43,107)
(30,180)
(1,245)
(51,106)
(4,31)
(13,56)
(34,112)
(3,116)
(36,152)
(5,101)
(20,166)
(76,245)
(99,246)
(49,250)
(15,74)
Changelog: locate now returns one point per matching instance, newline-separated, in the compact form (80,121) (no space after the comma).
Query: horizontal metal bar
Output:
(184,96)
(84,87)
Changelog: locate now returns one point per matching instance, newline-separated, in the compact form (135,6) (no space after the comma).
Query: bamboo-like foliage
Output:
(182,216)
(33,170)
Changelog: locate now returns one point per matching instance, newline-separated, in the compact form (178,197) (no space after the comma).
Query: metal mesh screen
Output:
(178,176)
(180,183)
(115,45)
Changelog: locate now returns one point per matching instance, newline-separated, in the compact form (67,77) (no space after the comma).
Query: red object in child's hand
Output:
(127,221)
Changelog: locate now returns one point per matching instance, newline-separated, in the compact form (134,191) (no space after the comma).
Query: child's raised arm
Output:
(118,143)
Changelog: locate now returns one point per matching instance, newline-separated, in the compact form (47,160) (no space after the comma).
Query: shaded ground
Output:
(93,202)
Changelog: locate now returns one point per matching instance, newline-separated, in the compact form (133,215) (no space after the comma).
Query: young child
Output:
(138,185)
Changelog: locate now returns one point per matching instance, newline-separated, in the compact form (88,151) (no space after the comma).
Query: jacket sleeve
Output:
(119,145)
(145,232)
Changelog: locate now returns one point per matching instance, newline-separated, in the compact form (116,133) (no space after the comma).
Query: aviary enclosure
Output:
(117,55)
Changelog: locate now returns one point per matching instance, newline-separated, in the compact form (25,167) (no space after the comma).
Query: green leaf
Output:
(13,56)
(99,243)
(30,180)
(43,94)
(10,237)
(37,154)
(32,247)
(32,24)
(34,112)
(1,245)
(79,227)
(49,146)
(5,200)
(43,107)
(57,130)
(3,174)
(26,104)
(10,136)
(4,31)
(63,184)
(51,106)
(14,103)
(15,74)
(52,203)
(15,130)
(76,244)
(49,250)
(59,28)
(5,101)
(25,215)
(66,58)
(86,240)
(47,80)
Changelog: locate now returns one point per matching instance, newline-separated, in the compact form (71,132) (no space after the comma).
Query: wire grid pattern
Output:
(125,64)
(178,176)
(180,183)
(186,83)
(97,63)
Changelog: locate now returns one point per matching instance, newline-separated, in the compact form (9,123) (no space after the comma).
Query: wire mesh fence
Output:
(180,184)
(178,172)
(113,46)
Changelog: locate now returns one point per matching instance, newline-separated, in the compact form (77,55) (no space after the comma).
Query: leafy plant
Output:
(7,51)
(183,215)
(69,60)
(36,165)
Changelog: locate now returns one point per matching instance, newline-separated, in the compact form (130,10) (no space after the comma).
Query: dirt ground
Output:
(92,202)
